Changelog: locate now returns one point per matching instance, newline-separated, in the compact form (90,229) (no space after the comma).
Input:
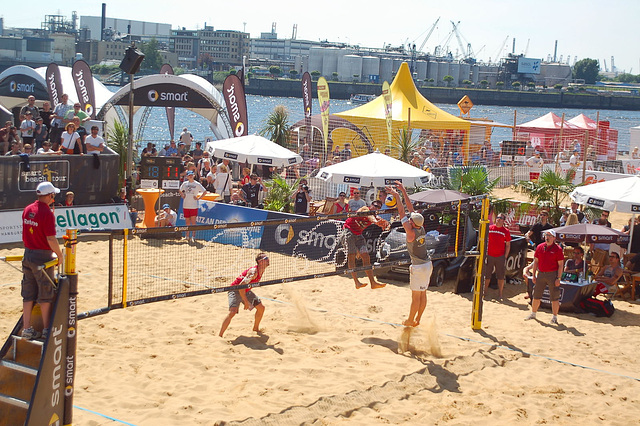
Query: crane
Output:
(455,31)
(526,49)
(433,27)
(502,46)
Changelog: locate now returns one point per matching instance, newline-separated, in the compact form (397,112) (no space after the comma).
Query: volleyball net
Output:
(148,265)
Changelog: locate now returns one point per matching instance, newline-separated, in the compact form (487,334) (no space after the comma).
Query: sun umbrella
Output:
(253,149)
(437,196)
(622,195)
(375,169)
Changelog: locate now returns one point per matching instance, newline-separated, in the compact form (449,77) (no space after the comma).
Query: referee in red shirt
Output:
(39,238)
(498,248)
(547,270)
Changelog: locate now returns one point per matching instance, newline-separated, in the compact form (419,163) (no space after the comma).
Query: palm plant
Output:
(277,126)
(474,180)
(118,141)
(279,196)
(550,190)
(406,144)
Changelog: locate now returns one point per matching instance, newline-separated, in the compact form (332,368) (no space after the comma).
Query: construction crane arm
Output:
(433,27)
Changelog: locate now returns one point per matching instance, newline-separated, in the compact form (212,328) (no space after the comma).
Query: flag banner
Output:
(306,104)
(171,112)
(323,99)
(54,84)
(240,75)
(83,80)
(388,103)
(236,105)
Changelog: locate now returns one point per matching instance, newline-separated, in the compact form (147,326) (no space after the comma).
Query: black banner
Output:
(22,86)
(171,112)
(83,80)
(54,171)
(306,102)
(54,84)
(166,94)
(234,97)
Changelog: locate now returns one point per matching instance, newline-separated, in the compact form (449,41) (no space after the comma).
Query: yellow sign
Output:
(465,104)
(323,98)
(388,115)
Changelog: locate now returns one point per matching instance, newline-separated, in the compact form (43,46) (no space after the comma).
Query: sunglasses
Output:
(356,193)
(502,217)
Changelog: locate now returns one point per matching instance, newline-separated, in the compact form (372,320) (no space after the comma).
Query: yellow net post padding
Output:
(476,318)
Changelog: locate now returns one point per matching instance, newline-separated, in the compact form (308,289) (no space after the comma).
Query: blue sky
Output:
(586,28)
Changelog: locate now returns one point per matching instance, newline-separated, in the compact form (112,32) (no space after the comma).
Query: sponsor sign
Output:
(235,99)
(265,160)
(83,80)
(323,99)
(54,84)
(351,179)
(106,217)
(388,114)
(166,94)
(306,102)
(230,155)
(56,172)
(21,86)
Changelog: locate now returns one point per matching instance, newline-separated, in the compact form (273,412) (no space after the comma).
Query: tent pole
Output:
(561,144)
(584,158)
(633,225)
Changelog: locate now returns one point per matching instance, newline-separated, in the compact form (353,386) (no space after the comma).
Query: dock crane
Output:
(433,27)
(468,53)
(502,46)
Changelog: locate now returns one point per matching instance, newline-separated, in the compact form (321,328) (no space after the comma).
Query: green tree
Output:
(550,191)
(315,75)
(499,85)
(558,87)
(232,71)
(334,76)
(279,195)
(356,78)
(152,58)
(447,79)
(467,83)
(118,141)
(275,70)
(627,78)
(276,127)
(484,84)
(293,73)
(516,85)
(586,69)
(531,85)
(406,144)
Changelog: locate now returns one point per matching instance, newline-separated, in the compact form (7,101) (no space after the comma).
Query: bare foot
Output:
(375,285)
(409,323)
(360,285)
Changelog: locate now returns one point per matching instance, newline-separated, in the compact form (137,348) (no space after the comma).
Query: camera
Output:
(305,188)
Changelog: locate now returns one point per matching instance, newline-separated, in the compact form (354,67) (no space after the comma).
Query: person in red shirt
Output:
(246,296)
(497,248)
(39,238)
(546,272)
(356,243)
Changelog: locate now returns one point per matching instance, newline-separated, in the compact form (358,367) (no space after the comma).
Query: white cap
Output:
(416,218)
(46,188)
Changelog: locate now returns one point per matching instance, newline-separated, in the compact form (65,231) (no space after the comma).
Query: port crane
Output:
(433,27)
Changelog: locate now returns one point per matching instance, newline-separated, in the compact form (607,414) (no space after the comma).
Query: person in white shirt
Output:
(574,161)
(535,164)
(46,149)
(223,183)
(166,217)
(94,142)
(191,191)
(27,129)
(186,138)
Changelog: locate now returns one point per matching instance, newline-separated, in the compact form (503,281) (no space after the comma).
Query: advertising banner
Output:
(54,84)
(83,80)
(236,101)
(529,65)
(56,172)
(114,216)
(166,94)
(388,114)
(323,99)
(171,112)
(306,104)
(22,86)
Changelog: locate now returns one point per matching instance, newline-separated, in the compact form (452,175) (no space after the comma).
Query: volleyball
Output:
(390,201)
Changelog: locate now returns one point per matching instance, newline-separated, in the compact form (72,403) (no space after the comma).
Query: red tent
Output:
(600,135)
(549,134)
(584,122)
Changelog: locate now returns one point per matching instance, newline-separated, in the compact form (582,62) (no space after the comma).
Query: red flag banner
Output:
(83,80)
(54,84)
(236,105)
(306,102)
(171,111)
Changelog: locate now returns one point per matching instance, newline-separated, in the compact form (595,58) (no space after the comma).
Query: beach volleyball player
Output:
(246,296)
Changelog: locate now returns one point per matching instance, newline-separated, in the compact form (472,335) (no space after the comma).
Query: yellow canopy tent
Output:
(409,109)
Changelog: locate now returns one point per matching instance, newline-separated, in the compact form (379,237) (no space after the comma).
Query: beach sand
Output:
(331,354)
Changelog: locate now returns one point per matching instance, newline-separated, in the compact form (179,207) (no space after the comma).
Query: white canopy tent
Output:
(622,195)
(253,149)
(375,169)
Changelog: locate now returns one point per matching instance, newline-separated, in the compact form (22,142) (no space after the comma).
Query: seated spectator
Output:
(341,205)
(83,134)
(576,264)
(46,149)
(172,151)
(5,133)
(15,149)
(70,140)
(149,151)
(163,151)
(28,149)
(610,274)
(236,198)
(633,265)
(246,173)
(166,217)
(69,199)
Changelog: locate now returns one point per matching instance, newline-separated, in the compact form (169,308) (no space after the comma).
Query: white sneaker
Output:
(554,320)
(531,316)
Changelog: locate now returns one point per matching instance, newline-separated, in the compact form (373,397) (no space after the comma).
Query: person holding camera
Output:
(302,199)
(250,191)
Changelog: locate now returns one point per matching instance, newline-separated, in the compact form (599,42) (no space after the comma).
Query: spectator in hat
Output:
(166,217)
(40,244)
(28,128)
(163,151)
(574,160)
(547,270)
(182,149)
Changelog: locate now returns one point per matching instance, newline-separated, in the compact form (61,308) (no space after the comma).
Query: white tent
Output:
(253,149)
(622,195)
(375,169)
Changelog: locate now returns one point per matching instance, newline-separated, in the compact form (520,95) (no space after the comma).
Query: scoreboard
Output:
(160,172)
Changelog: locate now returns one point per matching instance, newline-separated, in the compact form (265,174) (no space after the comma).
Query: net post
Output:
(70,253)
(125,265)
(458,226)
(110,279)
(476,316)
